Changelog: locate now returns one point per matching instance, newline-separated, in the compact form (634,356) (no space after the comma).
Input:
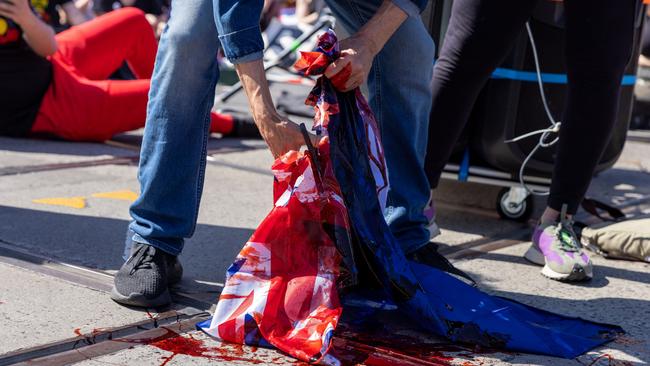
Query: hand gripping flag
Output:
(327,232)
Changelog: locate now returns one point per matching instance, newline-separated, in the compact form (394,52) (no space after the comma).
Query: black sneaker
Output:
(143,279)
(429,255)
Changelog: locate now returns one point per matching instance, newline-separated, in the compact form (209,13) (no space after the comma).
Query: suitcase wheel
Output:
(514,204)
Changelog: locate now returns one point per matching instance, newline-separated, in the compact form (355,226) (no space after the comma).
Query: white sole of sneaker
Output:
(576,275)
(535,256)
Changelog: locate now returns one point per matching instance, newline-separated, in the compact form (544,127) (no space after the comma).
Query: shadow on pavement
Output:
(98,243)
(601,273)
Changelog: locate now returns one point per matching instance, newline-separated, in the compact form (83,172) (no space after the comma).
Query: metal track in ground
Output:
(16,170)
(104,342)
(127,160)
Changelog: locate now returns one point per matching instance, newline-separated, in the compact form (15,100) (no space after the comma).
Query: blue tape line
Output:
(503,73)
(463,170)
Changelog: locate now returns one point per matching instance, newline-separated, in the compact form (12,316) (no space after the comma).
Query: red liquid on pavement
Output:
(608,360)
(175,343)
(349,347)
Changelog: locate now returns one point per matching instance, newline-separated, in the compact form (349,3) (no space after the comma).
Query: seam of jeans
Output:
(204,151)
(377,73)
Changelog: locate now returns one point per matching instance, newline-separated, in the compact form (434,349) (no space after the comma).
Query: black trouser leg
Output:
(645,38)
(479,36)
(599,35)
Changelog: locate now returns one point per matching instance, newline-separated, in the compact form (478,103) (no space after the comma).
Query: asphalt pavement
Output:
(63,219)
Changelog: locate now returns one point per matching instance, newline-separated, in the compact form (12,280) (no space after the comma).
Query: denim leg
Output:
(173,155)
(400,96)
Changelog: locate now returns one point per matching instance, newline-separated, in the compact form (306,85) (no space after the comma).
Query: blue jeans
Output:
(174,148)
(400,91)
(173,155)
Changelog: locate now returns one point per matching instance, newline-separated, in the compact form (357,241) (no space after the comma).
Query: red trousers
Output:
(81,104)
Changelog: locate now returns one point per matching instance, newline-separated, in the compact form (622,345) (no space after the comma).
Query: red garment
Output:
(81,104)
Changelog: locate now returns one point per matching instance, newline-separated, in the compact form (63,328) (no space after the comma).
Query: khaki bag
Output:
(628,239)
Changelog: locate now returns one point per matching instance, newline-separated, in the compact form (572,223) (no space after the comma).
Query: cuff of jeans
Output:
(247,58)
(243,45)
(173,250)
(408,6)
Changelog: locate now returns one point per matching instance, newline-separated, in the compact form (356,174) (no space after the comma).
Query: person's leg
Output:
(78,109)
(598,46)
(400,96)
(599,36)
(479,36)
(172,159)
(97,48)
(173,154)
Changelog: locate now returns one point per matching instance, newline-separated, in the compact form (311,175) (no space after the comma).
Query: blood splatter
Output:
(90,337)
(178,344)
(611,361)
(628,341)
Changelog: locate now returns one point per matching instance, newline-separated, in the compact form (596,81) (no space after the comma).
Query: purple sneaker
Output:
(556,247)
(430,213)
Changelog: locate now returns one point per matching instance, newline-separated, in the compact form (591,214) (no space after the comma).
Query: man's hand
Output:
(17,10)
(282,135)
(351,69)
(357,52)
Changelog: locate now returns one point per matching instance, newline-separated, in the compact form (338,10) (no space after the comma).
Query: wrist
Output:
(27,21)
(266,118)
(369,43)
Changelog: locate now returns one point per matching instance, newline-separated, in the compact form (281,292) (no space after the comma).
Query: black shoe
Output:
(429,255)
(144,279)
(244,127)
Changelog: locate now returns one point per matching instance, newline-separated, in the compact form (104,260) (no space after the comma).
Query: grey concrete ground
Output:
(73,219)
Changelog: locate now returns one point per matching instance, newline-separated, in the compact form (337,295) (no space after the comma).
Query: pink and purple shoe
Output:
(556,247)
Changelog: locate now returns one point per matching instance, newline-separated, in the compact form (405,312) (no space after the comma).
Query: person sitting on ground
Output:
(56,85)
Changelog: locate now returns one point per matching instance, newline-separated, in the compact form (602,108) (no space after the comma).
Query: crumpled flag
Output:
(281,291)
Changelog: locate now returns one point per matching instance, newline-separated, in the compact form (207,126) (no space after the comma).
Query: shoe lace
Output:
(565,234)
(143,257)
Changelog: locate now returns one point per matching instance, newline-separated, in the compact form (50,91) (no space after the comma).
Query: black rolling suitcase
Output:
(511,106)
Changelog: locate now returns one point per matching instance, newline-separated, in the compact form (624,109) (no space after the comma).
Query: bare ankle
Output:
(549,215)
